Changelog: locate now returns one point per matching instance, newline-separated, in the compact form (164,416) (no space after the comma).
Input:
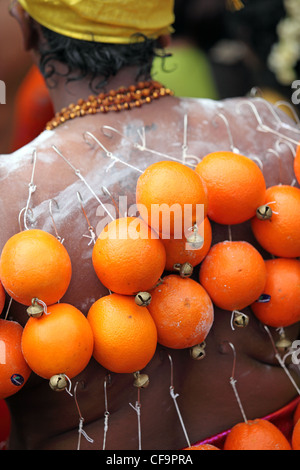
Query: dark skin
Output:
(43,419)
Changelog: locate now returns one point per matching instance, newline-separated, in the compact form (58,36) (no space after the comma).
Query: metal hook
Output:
(61,240)
(292,110)
(174,397)
(91,229)
(225,120)
(24,221)
(106,192)
(261,127)
(288,144)
(253,108)
(79,175)
(31,189)
(233,381)
(81,432)
(108,153)
(271,109)
(281,361)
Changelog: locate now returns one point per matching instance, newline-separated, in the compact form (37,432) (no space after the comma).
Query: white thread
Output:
(174,397)
(233,383)
(137,409)
(106,414)
(281,362)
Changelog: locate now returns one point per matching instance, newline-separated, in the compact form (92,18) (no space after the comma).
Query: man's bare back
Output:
(43,419)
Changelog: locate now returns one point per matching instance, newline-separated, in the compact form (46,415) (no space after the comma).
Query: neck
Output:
(65,93)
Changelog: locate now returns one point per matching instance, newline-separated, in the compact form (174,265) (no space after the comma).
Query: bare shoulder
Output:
(15,175)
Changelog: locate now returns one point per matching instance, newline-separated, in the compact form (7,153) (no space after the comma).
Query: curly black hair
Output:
(95,61)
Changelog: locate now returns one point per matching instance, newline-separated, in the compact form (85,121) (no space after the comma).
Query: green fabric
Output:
(187,73)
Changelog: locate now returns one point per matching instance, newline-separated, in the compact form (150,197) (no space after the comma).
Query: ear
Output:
(164,40)
(27,25)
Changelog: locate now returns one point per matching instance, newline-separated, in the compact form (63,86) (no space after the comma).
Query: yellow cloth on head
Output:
(109,21)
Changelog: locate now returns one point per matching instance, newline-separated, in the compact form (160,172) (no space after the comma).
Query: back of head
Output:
(97,38)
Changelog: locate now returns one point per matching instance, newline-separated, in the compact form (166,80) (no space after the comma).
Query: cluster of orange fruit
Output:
(131,254)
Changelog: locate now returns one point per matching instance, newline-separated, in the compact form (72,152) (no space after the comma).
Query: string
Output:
(8,308)
(184,146)
(281,361)
(106,414)
(233,383)
(40,302)
(137,409)
(174,397)
(81,432)
(236,312)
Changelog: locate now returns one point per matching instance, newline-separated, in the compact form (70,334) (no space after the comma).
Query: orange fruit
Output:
(60,342)
(179,251)
(283,285)
(202,447)
(34,264)
(296,436)
(128,256)
(2,298)
(297,164)
(235,186)
(14,371)
(233,274)
(125,334)
(258,434)
(280,235)
(182,311)
(171,197)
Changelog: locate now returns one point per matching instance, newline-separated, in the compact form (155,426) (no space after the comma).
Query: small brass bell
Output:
(35,310)
(143,299)
(185,269)
(140,380)
(58,383)
(240,320)
(195,240)
(198,352)
(264,213)
(283,344)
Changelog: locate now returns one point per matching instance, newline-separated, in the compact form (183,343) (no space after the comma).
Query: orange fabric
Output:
(33,109)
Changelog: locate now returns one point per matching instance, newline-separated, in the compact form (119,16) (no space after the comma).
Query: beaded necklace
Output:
(123,99)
